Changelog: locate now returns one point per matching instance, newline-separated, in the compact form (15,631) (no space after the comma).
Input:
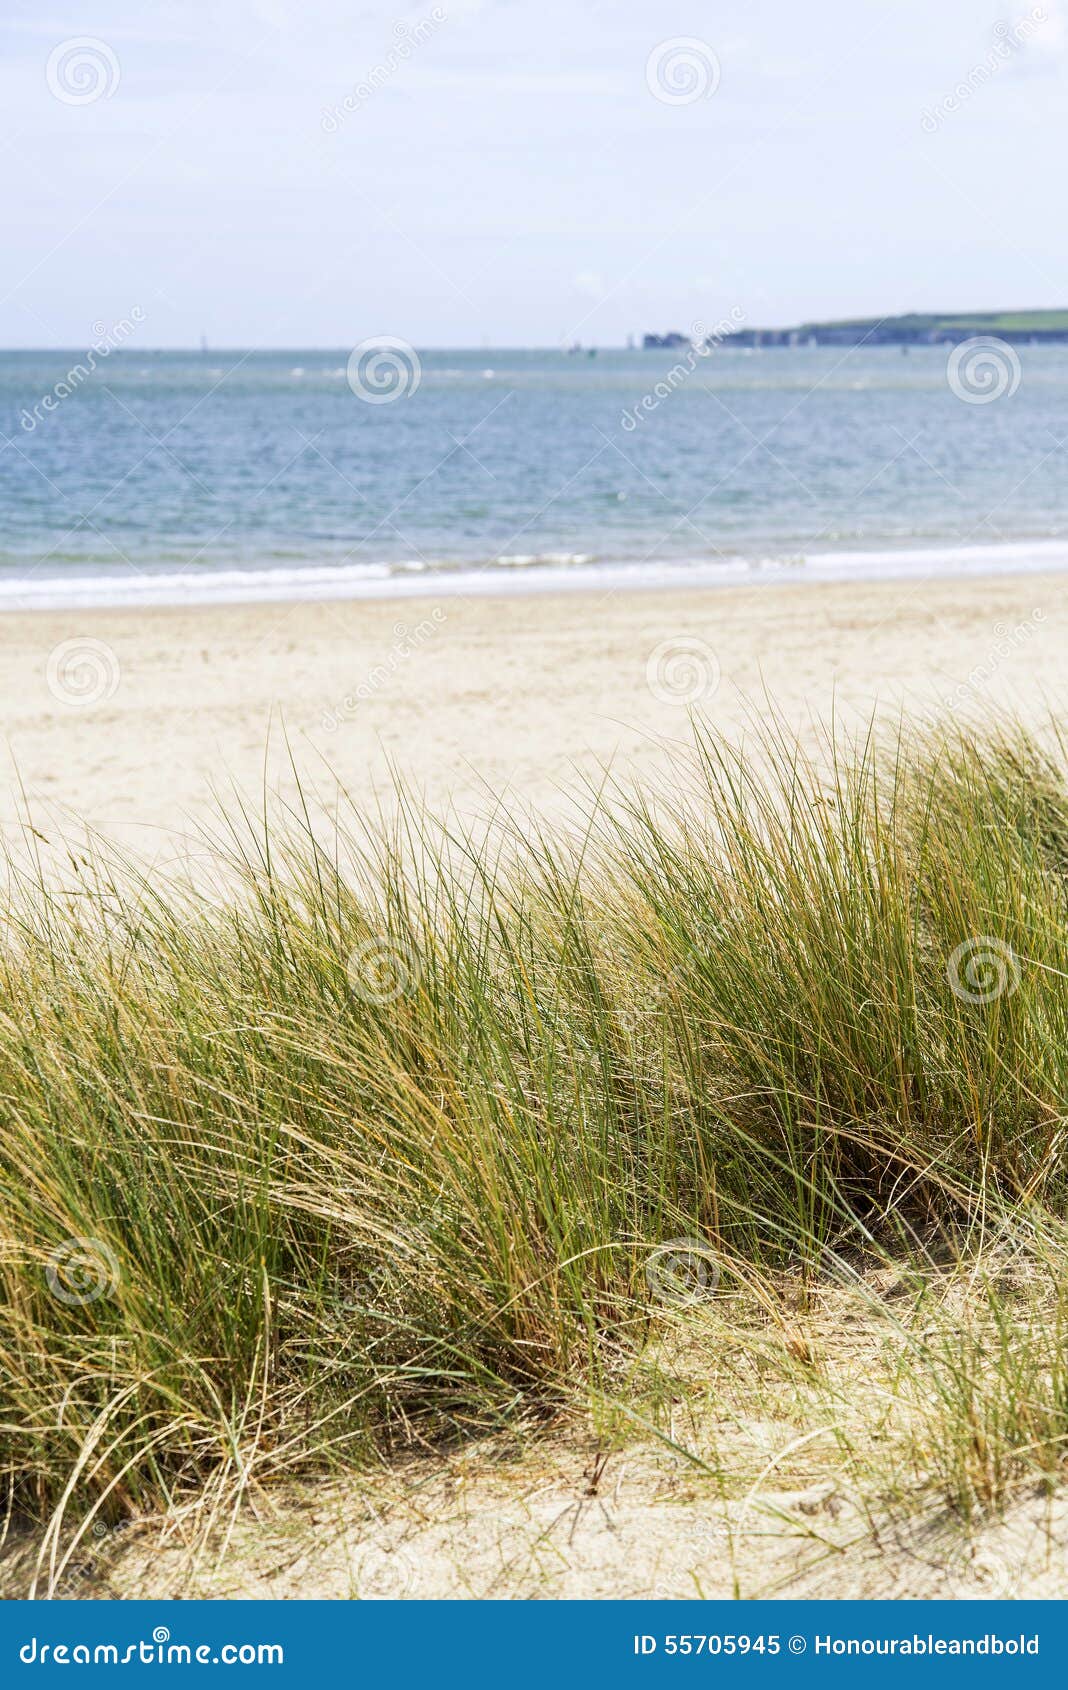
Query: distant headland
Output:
(913,329)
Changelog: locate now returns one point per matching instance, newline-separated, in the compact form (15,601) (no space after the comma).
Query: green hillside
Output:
(979,322)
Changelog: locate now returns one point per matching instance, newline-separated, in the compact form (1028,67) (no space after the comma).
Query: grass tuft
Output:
(419,1132)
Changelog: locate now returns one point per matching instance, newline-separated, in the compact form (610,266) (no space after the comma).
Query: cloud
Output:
(1039,38)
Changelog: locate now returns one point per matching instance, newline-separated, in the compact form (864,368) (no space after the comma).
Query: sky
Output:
(524,172)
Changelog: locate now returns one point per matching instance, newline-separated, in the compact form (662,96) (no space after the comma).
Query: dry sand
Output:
(557,1520)
(514,692)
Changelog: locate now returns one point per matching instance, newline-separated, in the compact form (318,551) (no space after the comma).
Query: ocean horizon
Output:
(180,477)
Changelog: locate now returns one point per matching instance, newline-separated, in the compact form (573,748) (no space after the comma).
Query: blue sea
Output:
(176,476)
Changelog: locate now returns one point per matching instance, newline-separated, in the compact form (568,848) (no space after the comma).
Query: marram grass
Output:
(422,1131)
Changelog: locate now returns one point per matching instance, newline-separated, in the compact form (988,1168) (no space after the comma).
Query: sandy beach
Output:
(728,1477)
(125,718)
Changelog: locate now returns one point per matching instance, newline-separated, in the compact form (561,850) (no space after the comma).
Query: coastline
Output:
(468,697)
(522,574)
